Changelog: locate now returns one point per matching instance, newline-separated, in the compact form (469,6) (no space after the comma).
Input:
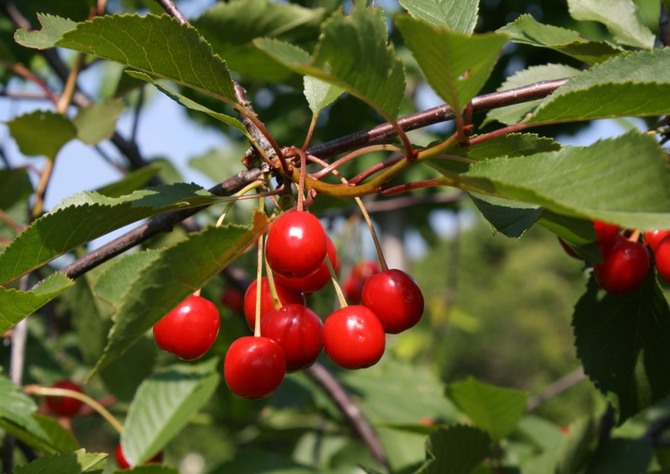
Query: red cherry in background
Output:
(64,406)
(233,299)
(654,237)
(123,462)
(353,337)
(190,329)
(353,285)
(662,258)
(296,244)
(316,280)
(254,367)
(298,330)
(605,231)
(625,265)
(285,295)
(395,298)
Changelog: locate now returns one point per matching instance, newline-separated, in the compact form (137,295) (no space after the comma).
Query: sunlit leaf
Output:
(457,15)
(64,463)
(54,130)
(320,94)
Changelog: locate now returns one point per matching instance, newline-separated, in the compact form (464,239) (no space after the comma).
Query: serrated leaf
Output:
(456,65)
(97,122)
(64,463)
(86,216)
(54,130)
(527,30)
(53,28)
(16,304)
(353,53)
(622,341)
(163,405)
(623,180)
(132,181)
(457,15)
(515,113)
(508,217)
(230,27)
(320,94)
(621,17)
(177,271)
(456,450)
(496,410)
(155,45)
(191,104)
(632,84)
(113,281)
(511,144)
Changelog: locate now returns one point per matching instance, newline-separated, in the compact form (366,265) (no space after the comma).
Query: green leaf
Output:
(132,181)
(231,27)
(353,53)
(58,437)
(456,65)
(53,29)
(191,104)
(54,130)
(123,375)
(511,144)
(113,281)
(578,447)
(515,113)
(457,15)
(86,216)
(16,304)
(496,410)
(633,84)
(623,455)
(15,186)
(621,17)
(508,217)
(623,180)
(622,341)
(250,459)
(163,405)
(17,408)
(97,122)
(155,45)
(64,463)
(169,278)
(320,94)
(527,30)
(456,450)
(150,469)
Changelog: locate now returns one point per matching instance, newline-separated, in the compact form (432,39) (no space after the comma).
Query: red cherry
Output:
(353,285)
(395,298)
(625,265)
(353,337)
(190,329)
(286,296)
(124,464)
(298,330)
(654,237)
(316,280)
(662,258)
(64,406)
(296,244)
(233,299)
(605,231)
(254,367)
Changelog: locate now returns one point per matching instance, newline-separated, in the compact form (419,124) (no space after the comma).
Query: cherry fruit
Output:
(285,295)
(254,367)
(353,337)
(353,285)
(124,464)
(605,231)
(315,280)
(64,406)
(395,298)
(233,299)
(654,237)
(298,330)
(625,265)
(190,329)
(296,244)
(662,258)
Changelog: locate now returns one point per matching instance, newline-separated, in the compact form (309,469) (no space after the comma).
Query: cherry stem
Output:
(350,156)
(301,179)
(236,197)
(373,234)
(259,278)
(338,289)
(310,131)
(276,302)
(82,397)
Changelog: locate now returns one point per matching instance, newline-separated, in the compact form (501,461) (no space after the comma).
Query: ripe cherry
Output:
(315,280)
(625,265)
(64,406)
(296,244)
(298,330)
(654,237)
(662,258)
(124,464)
(190,329)
(395,298)
(353,285)
(286,296)
(254,367)
(605,231)
(233,299)
(353,337)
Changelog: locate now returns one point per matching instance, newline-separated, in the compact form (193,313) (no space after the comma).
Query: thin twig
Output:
(556,388)
(172,9)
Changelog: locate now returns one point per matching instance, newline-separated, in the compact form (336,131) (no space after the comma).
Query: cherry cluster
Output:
(303,260)
(627,258)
